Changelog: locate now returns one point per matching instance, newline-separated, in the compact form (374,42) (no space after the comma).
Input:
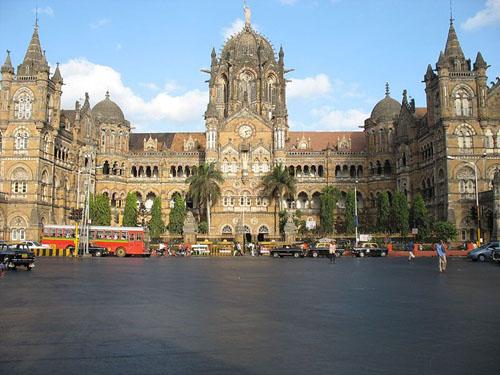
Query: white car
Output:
(32,245)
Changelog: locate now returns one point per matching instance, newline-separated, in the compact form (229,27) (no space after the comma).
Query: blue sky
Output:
(149,53)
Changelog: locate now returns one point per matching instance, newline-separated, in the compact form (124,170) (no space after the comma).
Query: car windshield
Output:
(36,243)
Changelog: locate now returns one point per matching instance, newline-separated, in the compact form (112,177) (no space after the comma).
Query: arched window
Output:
(226,229)
(222,90)
(464,133)
(103,139)
(272,92)
(23,104)
(466,181)
(18,229)
(21,139)
(463,103)
(247,92)
(245,199)
(45,185)
(19,181)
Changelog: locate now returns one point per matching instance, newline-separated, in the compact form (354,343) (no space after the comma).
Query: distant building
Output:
(402,147)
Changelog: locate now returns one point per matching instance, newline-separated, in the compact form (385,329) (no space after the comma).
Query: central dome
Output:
(386,110)
(108,110)
(247,45)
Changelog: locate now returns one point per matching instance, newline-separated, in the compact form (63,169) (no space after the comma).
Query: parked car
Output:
(36,245)
(17,254)
(95,251)
(369,249)
(483,253)
(495,255)
(286,250)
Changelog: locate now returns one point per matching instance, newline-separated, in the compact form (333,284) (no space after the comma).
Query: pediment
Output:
(247,114)
(229,149)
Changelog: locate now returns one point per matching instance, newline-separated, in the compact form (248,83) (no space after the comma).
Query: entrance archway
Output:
(263,233)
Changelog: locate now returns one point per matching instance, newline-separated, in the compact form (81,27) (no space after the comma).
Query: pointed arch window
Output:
(488,139)
(463,103)
(19,180)
(21,140)
(23,106)
(465,135)
(466,182)
(247,92)
(272,91)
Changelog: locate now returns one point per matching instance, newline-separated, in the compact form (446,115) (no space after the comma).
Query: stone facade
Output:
(47,154)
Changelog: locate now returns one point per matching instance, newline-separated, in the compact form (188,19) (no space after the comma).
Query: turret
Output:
(7,68)
(480,67)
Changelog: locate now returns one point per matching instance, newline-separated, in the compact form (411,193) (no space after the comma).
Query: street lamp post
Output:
(356,210)
(476,188)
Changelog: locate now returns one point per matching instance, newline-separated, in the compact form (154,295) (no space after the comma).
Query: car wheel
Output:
(120,252)
(276,255)
(28,268)
(383,254)
(296,255)
(361,254)
(315,254)
(97,254)
(481,258)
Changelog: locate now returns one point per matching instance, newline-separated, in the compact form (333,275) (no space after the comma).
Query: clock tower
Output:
(246,126)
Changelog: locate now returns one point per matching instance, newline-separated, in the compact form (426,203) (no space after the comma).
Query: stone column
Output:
(495,235)
(190,228)
(290,231)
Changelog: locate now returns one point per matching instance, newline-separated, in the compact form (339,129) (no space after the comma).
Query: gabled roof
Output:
(321,140)
(166,141)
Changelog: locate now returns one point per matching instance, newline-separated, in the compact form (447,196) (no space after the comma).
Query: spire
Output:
(7,65)
(442,63)
(453,48)
(248,14)
(429,74)
(214,57)
(480,63)
(34,58)
(57,78)
(107,95)
(281,55)
(387,89)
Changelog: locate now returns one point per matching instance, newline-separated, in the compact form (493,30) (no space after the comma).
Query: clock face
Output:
(245,131)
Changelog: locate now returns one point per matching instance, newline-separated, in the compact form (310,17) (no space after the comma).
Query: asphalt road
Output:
(250,316)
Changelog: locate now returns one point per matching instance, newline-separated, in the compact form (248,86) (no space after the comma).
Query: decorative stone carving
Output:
(344,144)
(151,144)
(290,230)
(190,228)
(190,144)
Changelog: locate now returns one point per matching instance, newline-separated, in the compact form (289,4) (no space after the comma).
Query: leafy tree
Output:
(156,224)
(419,217)
(444,230)
(130,210)
(203,227)
(400,213)
(328,204)
(276,184)
(177,216)
(204,187)
(350,220)
(283,216)
(383,212)
(99,210)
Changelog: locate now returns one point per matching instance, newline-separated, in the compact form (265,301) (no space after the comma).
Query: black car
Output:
(14,255)
(287,250)
(483,253)
(95,251)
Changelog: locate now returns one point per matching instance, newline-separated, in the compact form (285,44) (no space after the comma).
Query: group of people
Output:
(440,247)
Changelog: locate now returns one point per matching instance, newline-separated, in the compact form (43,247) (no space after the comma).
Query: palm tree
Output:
(276,184)
(204,187)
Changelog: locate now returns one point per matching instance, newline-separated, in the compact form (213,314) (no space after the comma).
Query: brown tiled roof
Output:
(420,112)
(166,141)
(320,140)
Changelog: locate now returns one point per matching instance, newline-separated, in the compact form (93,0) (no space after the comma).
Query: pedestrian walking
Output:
(441,252)
(411,245)
(332,250)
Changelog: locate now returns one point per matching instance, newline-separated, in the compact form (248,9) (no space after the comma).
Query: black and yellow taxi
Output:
(16,254)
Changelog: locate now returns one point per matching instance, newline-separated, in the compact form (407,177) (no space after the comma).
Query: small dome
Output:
(245,46)
(386,110)
(108,110)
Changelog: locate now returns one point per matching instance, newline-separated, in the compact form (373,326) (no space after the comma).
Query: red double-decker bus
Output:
(120,241)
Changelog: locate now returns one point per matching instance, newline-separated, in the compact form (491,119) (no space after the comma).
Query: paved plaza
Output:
(250,316)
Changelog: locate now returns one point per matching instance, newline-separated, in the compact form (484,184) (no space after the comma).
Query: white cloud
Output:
(100,23)
(334,119)
(487,16)
(45,10)
(309,87)
(164,109)
(237,25)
